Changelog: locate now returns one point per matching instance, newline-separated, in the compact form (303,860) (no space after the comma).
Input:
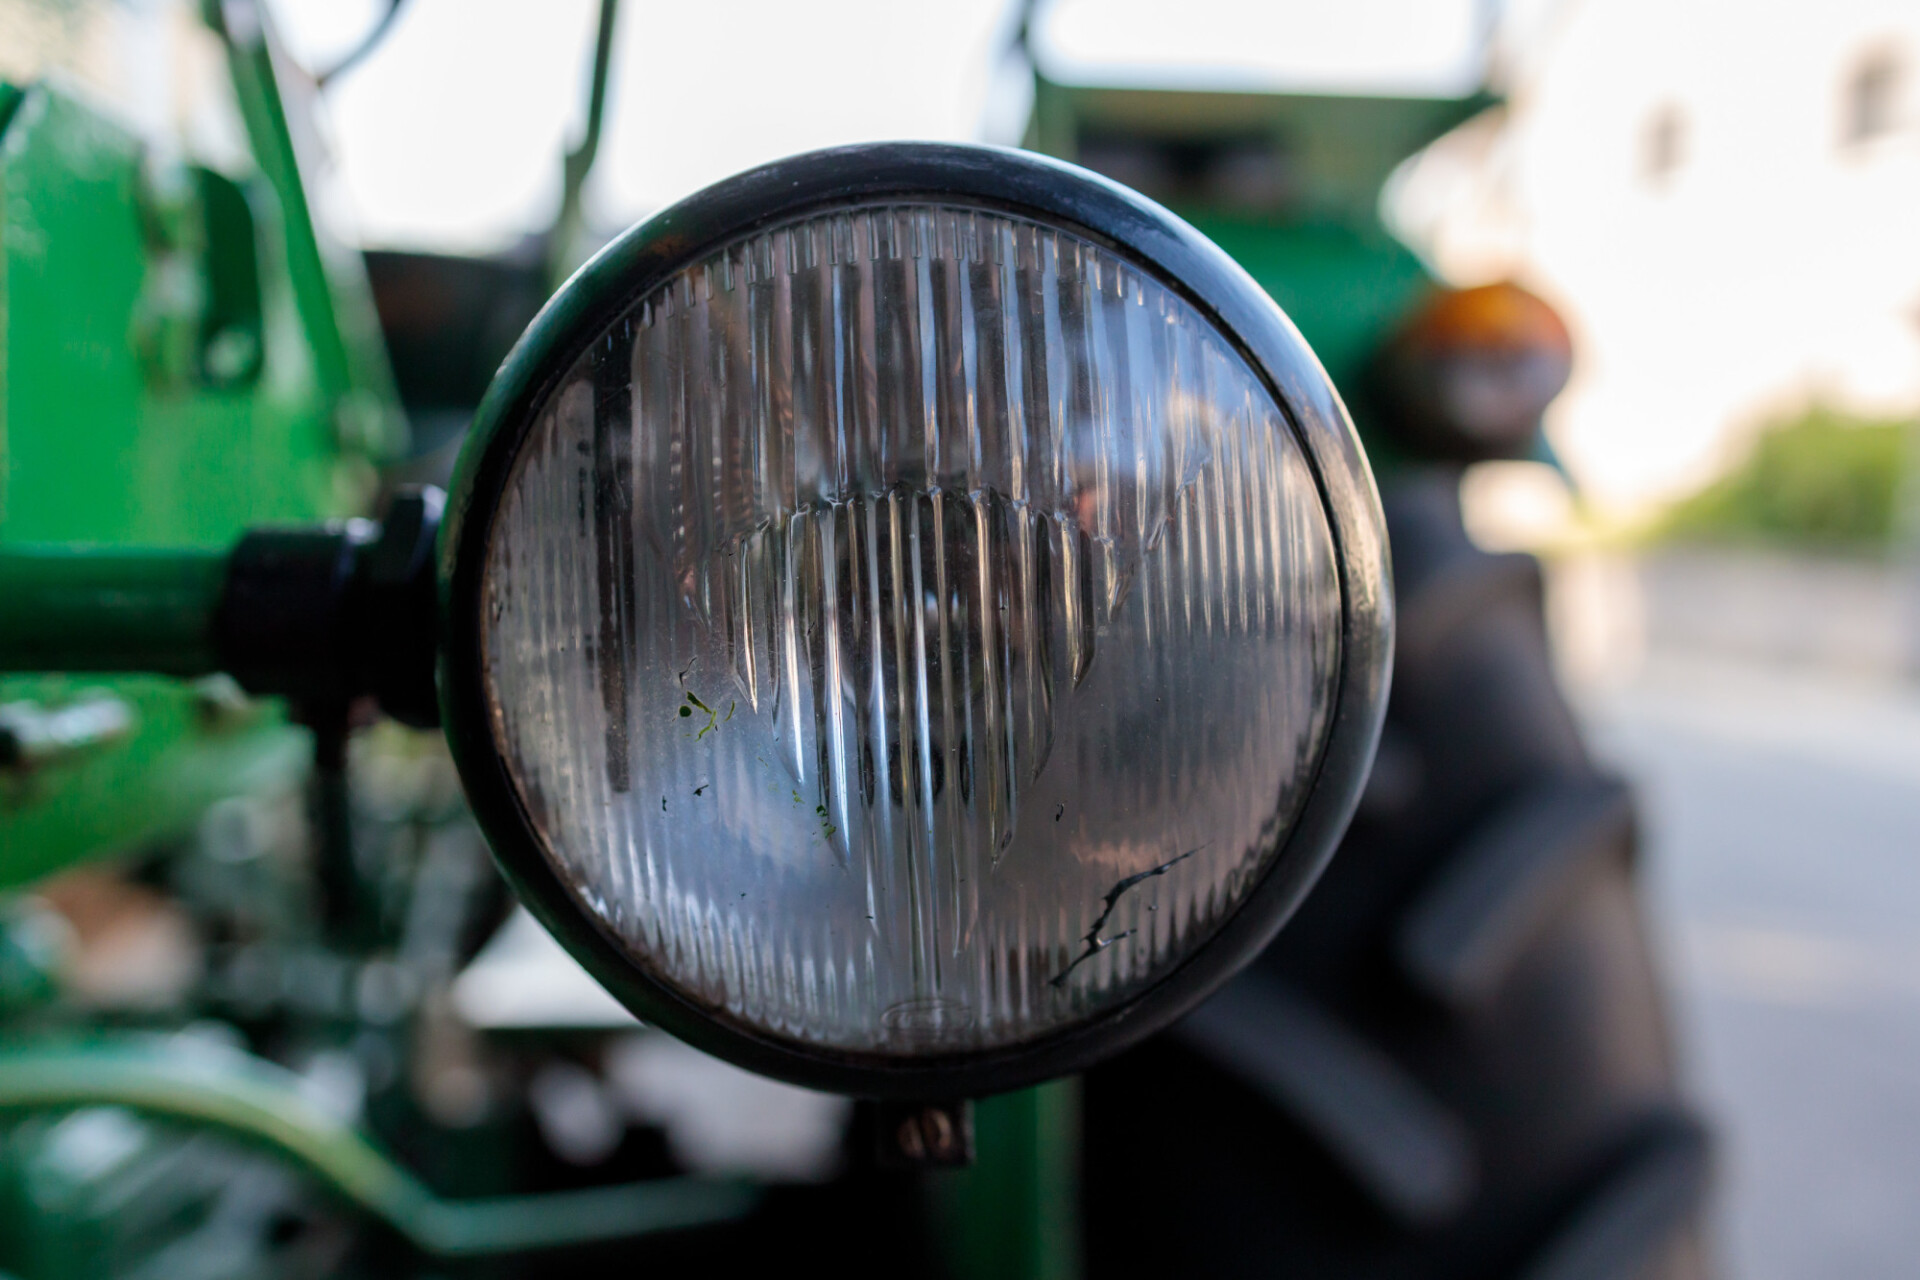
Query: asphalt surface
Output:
(1781,815)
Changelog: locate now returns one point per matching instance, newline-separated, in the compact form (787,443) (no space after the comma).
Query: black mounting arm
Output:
(329,614)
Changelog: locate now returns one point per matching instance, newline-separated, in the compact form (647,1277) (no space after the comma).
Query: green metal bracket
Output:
(564,248)
(68,608)
(329,282)
(262,1104)
(1014,1215)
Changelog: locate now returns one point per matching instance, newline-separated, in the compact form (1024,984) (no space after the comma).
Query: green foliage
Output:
(1822,479)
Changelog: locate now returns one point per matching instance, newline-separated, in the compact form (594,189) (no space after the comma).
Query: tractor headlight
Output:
(917,618)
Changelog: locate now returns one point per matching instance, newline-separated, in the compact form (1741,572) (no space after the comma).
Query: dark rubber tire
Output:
(1455,1061)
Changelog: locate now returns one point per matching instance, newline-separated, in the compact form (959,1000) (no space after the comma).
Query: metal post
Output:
(65,608)
(1015,1214)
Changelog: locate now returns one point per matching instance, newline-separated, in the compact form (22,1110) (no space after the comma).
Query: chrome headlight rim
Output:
(997,180)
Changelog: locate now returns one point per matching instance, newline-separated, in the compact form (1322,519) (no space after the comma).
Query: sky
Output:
(449,134)
(1771,265)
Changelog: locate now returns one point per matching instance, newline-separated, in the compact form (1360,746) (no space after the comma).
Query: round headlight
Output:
(916,618)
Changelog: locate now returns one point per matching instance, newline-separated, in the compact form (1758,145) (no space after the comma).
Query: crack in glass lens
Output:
(911,630)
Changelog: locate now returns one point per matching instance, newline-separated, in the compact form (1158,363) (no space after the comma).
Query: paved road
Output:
(1782,814)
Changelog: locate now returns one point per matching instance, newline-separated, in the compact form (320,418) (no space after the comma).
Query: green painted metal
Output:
(565,242)
(1015,1214)
(189,745)
(1343,285)
(1341,147)
(184,354)
(73,608)
(33,942)
(1326,256)
(259,1103)
(106,438)
(329,278)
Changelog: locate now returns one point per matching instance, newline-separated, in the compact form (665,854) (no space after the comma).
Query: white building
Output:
(1722,196)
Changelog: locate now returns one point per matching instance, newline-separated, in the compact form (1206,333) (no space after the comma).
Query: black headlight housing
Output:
(1147,239)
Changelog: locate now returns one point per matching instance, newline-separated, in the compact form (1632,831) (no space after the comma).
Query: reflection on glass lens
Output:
(911,630)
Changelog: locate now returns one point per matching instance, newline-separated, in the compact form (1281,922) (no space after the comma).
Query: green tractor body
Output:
(185,355)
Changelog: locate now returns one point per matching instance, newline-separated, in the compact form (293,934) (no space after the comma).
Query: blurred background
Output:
(1719,199)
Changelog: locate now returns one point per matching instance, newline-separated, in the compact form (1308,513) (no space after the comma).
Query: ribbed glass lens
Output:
(911,630)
